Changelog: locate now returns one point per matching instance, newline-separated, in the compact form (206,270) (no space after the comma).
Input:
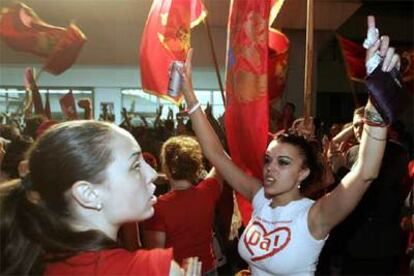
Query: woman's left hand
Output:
(381,47)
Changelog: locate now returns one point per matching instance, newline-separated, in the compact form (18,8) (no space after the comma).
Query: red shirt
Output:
(115,262)
(186,217)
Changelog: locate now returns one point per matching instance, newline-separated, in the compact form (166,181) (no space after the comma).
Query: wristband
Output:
(193,108)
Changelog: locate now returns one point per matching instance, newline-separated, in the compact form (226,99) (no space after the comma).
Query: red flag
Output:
(247,83)
(68,106)
(407,58)
(23,30)
(278,61)
(48,111)
(30,85)
(354,58)
(66,51)
(166,38)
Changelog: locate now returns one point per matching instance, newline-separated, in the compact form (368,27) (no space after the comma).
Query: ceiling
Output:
(114,27)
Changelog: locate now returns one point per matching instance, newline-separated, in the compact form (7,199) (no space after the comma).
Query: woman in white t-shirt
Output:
(287,231)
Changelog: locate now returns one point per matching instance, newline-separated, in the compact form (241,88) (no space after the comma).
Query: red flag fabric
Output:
(278,64)
(354,58)
(48,111)
(22,30)
(31,86)
(247,86)
(68,106)
(407,58)
(65,51)
(166,38)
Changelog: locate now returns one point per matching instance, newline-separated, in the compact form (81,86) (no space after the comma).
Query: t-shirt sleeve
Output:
(156,222)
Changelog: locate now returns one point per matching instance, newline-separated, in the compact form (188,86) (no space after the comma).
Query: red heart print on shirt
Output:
(263,243)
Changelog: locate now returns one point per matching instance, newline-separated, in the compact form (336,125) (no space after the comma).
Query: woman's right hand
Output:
(187,77)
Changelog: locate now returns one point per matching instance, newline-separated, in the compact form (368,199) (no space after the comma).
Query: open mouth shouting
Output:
(269,180)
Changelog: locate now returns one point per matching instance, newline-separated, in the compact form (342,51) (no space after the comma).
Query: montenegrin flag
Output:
(166,38)
(354,58)
(256,62)
(22,30)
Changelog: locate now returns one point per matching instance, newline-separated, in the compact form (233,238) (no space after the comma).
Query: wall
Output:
(107,82)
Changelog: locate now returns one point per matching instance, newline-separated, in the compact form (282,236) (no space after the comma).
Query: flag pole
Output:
(308,62)
(38,74)
(214,56)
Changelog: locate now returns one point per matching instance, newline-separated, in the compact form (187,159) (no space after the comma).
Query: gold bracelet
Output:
(375,138)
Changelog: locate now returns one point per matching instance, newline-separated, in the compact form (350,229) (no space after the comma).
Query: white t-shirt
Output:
(277,240)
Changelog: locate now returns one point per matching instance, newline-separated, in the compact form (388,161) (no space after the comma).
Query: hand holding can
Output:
(175,82)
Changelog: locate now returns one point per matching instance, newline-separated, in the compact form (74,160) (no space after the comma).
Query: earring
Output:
(99,207)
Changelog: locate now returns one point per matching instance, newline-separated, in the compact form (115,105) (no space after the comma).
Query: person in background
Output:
(15,153)
(377,214)
(86,105)
(32,124)
(407,222)
(9,132)
(3,145)
(184,216)
(356,250)
(334,130)
(282,120)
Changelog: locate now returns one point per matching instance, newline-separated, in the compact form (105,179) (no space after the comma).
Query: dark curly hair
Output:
(14,154)
(181,157)
(309,150)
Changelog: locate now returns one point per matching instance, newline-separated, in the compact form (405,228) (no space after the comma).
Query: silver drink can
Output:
(175,82)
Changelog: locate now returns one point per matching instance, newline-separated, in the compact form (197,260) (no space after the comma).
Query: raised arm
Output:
(331,209)
(212,148)
(86,105)
(343,136)
(157,121)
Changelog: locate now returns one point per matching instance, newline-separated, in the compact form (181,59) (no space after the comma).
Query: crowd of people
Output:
(80,197)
